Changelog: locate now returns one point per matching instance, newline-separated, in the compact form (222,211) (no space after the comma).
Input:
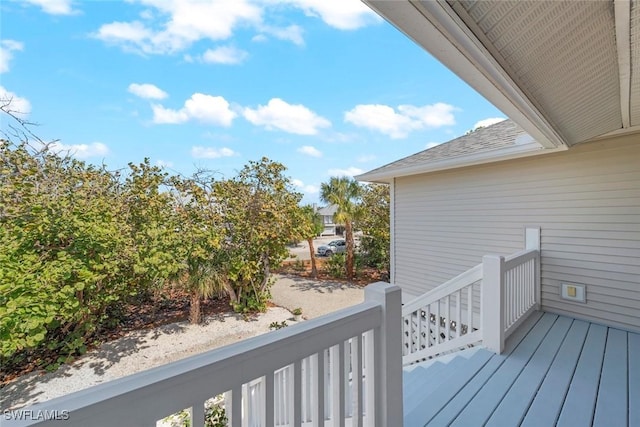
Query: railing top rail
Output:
(520,257)
(465,279)
(209,373)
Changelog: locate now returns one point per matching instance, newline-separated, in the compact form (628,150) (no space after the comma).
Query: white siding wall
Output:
(586,201)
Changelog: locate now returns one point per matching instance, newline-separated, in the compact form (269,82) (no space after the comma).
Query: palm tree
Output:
(311,227)
(344,193)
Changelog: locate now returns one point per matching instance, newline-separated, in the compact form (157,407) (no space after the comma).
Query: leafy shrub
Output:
(299,265)
(336,266)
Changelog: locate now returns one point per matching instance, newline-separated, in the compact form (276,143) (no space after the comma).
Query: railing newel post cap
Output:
(380,288)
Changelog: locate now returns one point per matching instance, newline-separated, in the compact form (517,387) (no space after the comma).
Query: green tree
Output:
(344,193)
(66,253)
(260,212)
(199,229)
(311,226)
(374,223)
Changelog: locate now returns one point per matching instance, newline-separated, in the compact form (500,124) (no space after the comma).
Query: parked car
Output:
(334,247)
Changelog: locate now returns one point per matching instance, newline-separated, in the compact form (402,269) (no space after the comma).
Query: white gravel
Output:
(140,350)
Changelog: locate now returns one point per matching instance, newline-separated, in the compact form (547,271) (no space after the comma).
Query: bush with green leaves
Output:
(261,215)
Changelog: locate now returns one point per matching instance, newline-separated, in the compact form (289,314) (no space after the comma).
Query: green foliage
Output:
(215,415)
(374,223)
(261,215)
(335,265)
(298,265)
(77,243)
(278,325)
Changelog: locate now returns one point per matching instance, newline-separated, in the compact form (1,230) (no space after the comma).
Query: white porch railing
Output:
(442,320)
(342,368)
(484,305)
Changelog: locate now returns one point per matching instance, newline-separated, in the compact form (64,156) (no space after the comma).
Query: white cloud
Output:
(488,122)
(81,151)
(14,104)
(7,47)
(147,91)
(259,38)
(224,55)
(365,158)
(407,118)
(54,7)
(431,145)
(344,14)
(200,152)
(179,24)
(350,171)
(310,151)
(169,26)
(204,108)
(130,35)
(431,116)
(307,188)
(292,33)
(278,114)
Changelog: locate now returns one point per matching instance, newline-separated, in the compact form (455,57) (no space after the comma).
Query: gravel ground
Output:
(314,297)
(142,350)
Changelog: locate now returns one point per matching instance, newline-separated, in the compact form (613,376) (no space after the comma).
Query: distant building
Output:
(327,213)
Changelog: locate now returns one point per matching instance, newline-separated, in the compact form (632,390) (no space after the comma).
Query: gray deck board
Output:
(611,406)
(432,403)
(453,408)
(484,403)
(581,398)
(545,409)
(555,371)
(418,394)
(513,407)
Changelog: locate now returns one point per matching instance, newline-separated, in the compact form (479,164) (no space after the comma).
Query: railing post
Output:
(532,241)
(388,354)
(492,303)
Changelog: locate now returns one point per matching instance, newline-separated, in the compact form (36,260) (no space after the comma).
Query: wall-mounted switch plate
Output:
(573,292)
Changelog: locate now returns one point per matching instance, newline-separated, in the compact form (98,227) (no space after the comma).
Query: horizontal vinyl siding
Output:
(586,201)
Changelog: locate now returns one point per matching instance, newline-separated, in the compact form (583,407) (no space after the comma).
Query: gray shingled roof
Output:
(491,138)
(328,210)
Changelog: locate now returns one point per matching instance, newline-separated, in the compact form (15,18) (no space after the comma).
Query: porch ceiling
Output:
(567,72)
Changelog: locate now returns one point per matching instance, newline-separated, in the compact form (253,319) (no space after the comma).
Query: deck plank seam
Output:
(604,351)
(546,372)
(460,389)
(504,356)
(515,379)
(573,373)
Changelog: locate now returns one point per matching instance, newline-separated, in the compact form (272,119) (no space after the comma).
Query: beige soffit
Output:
(566,71)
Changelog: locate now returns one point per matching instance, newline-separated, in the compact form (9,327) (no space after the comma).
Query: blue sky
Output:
(325,87)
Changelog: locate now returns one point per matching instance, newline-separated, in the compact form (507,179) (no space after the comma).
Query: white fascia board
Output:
(489,156)
(435,26)
(622,9)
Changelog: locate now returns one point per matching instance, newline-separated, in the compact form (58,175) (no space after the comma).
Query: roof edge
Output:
(485,157)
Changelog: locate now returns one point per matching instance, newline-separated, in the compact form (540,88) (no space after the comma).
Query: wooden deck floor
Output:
(555,371)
